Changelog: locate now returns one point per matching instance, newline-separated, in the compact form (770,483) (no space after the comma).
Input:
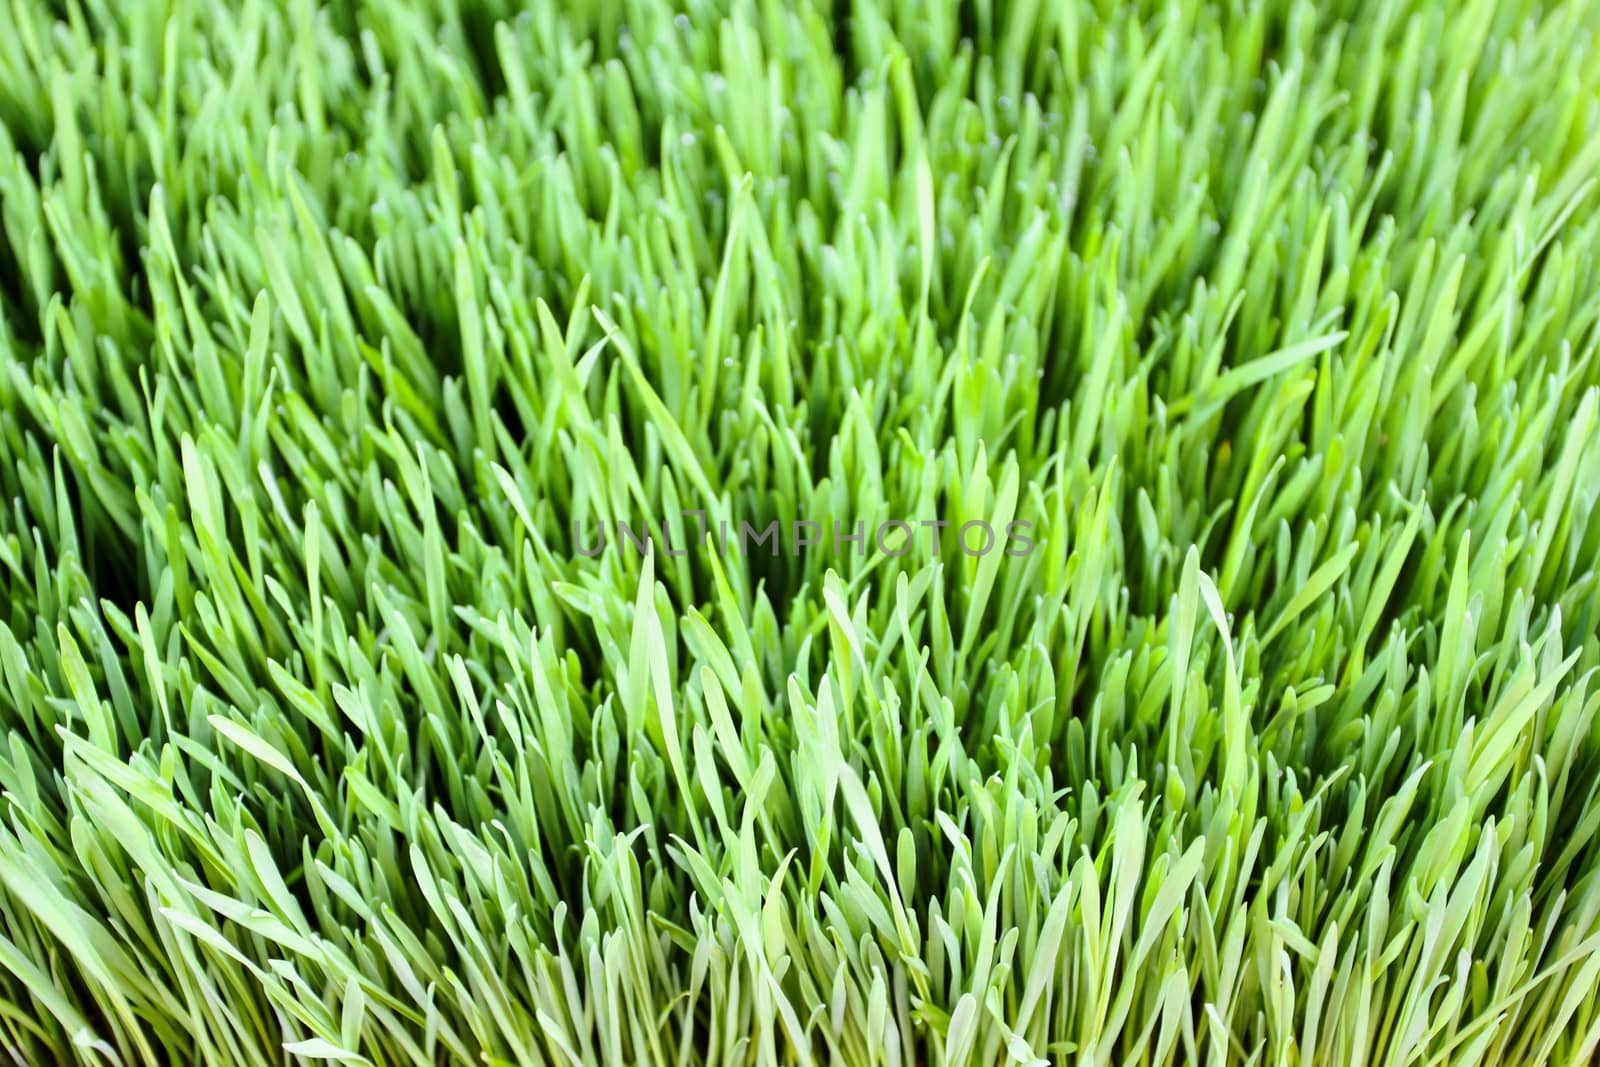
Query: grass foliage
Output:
(321,327)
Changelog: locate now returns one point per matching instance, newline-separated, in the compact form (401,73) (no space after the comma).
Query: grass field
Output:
(759,532)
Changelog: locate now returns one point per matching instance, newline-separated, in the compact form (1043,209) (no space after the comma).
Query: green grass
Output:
(325,333)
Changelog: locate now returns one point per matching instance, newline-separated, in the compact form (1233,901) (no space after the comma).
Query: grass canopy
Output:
(881,532)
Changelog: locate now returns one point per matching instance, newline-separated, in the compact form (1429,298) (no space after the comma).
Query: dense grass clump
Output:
(472,582)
